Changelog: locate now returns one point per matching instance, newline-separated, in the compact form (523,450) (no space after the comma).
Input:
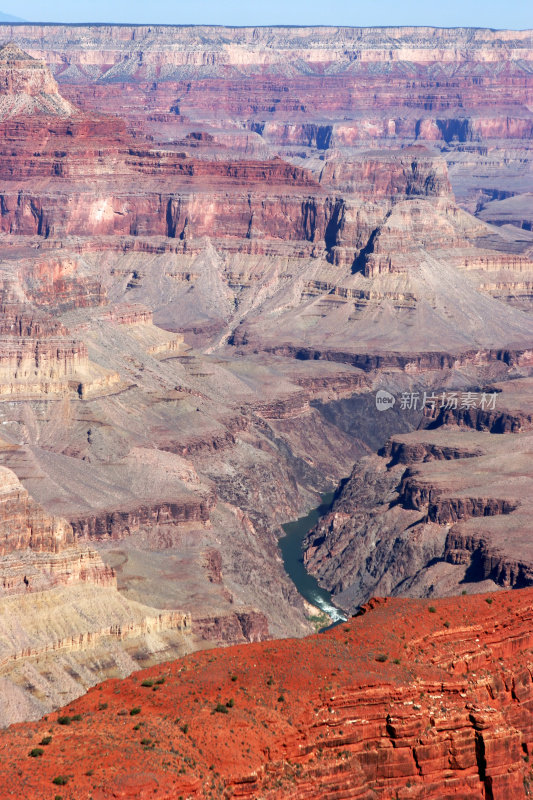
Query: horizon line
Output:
(20,23)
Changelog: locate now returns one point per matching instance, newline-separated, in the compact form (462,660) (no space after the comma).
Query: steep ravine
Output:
(291,550)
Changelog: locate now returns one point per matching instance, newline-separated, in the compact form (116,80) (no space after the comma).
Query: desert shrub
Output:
(147,683)
(221,709)
(432,610)
(382,658)
(46,740)
(60,780)
(64,720)
(36,752)
(135,711)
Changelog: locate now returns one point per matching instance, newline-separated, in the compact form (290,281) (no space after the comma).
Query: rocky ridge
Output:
(411,700)
(438,511)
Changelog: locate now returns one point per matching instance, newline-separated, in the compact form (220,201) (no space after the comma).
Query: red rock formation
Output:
(335,69)
(27,87)
(240,626)
(56,283)
(407,700)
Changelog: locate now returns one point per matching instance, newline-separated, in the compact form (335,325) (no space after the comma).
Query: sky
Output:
(515,14)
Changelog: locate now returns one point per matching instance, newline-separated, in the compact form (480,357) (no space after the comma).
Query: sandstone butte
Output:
(410,699)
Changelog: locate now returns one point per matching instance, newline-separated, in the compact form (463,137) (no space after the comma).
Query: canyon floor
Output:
(217,246)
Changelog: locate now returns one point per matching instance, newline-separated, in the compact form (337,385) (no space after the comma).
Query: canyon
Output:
(217,245)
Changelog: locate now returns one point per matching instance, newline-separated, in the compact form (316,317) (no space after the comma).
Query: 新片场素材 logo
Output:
(443,401)
(384,400)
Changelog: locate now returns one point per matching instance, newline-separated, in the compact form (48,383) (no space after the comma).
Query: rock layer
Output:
(410,700)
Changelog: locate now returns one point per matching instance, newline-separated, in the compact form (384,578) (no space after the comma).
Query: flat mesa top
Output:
(255,30)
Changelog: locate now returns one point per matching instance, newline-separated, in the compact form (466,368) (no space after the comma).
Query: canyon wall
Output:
(437,511)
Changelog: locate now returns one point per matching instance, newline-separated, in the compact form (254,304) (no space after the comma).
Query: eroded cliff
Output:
(409,700)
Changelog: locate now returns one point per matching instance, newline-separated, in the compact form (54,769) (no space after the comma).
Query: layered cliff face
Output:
(64,624)
(410,700)
(416,68)
(341,222)
(439,510)
(39,357)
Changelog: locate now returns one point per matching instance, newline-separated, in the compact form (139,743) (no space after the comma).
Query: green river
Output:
(291,550)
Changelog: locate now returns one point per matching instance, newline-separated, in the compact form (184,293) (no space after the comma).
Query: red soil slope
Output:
(409,700)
